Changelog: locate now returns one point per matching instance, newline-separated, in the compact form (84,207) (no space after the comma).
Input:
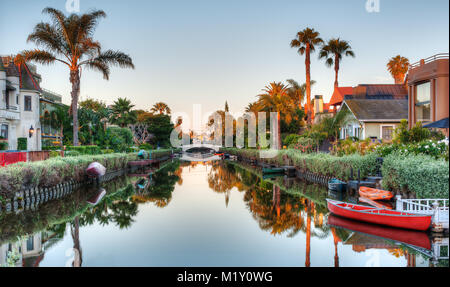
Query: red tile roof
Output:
(339,93)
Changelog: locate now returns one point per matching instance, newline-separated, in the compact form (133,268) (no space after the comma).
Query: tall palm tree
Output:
(306,42)
(69,40)
(122,113)
(161,108)
(333,51)
(398,67)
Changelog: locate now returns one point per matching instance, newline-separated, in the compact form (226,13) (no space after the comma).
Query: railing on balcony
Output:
(9,112)
(433,58)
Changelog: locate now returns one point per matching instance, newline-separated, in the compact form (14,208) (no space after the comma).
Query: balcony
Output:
(10,112)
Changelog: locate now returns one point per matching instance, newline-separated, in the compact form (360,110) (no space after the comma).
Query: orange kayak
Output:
(375,194)
(380,205)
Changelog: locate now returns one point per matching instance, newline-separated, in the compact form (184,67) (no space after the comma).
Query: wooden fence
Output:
(7,158)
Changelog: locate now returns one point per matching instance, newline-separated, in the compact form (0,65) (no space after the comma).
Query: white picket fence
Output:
(436,207)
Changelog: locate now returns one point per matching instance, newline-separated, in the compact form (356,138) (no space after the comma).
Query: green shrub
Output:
(118,139)
(51,148)
(86,149)
(403,135)
(319,163)
(54,154)
(72,153)
(22,143)
(3,145)
(146,146)
(291,139)
(107,151)
(421,174)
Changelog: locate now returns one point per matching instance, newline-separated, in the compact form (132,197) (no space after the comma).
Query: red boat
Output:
(95,169)
(410,237)
(380,216)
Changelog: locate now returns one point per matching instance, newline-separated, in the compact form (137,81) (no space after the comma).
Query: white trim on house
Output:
(381,129)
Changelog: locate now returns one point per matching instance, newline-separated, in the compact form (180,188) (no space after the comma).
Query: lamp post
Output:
(31,131)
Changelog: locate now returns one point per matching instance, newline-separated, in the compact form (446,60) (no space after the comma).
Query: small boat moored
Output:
(377,204)
(375,215)
(336,185)
(272,170)
(95,169)
(375,194)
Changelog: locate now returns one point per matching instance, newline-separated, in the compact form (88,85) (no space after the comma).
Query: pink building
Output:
(428,90)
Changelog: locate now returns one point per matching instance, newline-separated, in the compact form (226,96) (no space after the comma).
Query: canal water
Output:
(202,214)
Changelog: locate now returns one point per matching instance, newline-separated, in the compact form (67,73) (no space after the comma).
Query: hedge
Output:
(319,163)
(22,143)
(421,174)
(86,149)
(48,173)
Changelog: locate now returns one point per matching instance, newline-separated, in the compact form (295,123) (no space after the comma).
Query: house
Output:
(23,104)
(374,111)
(19,104)
(338,97)
(428,90)
(321,109)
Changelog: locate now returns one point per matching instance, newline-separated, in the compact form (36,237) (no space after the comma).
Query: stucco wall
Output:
(374,129)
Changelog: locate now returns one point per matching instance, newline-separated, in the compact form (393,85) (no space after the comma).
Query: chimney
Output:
(318,104)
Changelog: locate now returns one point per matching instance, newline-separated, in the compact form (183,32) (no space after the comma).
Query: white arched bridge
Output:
(198,146)
(200,152)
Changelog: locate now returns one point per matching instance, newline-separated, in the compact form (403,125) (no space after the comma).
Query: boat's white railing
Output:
(436,207)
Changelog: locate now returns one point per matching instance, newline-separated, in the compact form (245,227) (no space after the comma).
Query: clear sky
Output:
(207,52)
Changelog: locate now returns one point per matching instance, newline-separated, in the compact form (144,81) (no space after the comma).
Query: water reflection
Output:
(290,215)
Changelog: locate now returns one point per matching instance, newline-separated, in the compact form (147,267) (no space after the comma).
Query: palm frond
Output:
(39,56)
(114,58)
(99,66)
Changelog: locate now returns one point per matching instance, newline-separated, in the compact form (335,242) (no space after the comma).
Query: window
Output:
(17,100)
(423,102)
(387,132)
(4,131)
(27,103)
(30,243)
(357,132)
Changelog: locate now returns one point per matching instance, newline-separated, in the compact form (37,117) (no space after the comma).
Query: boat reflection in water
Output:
(409,243)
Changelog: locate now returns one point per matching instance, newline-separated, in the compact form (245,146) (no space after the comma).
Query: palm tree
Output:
(306,42)
(297,92)
(161,108)
(275,99)
(333,52)
(398,67)
(121,113)
(69,40)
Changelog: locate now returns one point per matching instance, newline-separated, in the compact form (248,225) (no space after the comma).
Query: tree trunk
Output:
(75,231)
(308,236)
(336,70)
(308,83)
(75,80)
